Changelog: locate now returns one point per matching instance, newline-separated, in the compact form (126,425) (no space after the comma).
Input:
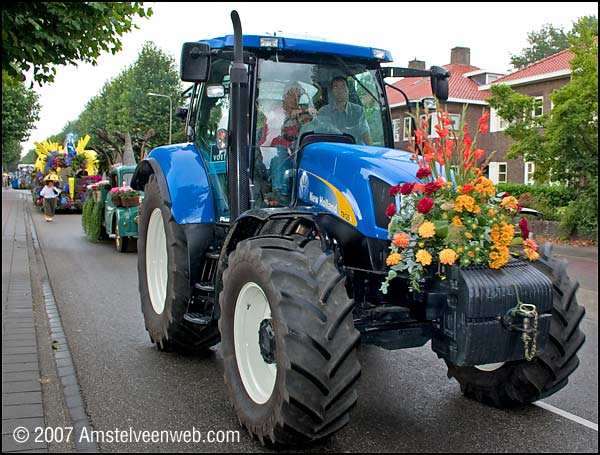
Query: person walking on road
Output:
(50,193)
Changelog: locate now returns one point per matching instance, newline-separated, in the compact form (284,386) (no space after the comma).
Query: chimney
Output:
(417,64)
(460,56)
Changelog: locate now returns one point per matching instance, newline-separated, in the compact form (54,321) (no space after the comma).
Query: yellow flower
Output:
(393,259)
(423,257)
(485,186)
(427,230)
(456,221)
(466,202)
(448,256)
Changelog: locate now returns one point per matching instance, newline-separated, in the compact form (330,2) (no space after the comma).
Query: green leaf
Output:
(441,228)
(516,241)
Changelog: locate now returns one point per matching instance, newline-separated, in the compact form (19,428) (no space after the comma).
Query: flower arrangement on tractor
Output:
(453,216)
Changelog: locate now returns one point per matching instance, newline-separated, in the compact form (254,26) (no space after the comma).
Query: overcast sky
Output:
(492,30)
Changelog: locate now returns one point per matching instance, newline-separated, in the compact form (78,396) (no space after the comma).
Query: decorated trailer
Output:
(75,166)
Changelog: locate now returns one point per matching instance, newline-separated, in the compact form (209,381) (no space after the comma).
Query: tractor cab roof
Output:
(309,46)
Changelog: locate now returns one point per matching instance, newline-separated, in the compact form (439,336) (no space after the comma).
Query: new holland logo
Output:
(303,186)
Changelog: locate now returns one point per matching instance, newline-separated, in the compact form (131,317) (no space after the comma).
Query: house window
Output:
(455,118)
(396,125)
(529,171)
(502,170)
(497,172)
(407,129)
(497,123)
(538,107)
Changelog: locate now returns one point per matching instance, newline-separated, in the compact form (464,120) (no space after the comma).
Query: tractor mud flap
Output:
(474,308)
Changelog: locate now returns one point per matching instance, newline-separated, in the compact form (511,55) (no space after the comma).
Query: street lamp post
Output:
(170,111)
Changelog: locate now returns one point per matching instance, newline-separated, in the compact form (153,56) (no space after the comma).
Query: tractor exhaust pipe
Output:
(238,159)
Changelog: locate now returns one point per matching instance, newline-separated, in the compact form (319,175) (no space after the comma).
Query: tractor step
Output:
(203,286)
(213,255)
(197,318)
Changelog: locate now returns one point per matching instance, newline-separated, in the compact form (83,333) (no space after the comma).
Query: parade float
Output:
(75,166)
(111,209)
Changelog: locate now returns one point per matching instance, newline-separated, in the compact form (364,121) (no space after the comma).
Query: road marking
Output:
(567,415)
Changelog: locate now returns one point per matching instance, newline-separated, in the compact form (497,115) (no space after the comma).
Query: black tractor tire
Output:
(522,382)
(315,340)
(168,329)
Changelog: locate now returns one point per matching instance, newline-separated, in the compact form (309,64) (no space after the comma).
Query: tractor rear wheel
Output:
(288,340)
(163,275)
(517,383)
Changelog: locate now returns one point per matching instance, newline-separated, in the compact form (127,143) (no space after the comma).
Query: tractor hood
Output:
(353,181)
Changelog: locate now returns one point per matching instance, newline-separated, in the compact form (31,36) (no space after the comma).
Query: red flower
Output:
(425,205)
(406,189)
(483,123)
(478,153)
(432,187)
(395,190)
(524,228)
(391,210)
(423,172)
(468,187)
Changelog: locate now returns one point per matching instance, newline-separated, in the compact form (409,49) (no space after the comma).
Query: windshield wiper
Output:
(351,74)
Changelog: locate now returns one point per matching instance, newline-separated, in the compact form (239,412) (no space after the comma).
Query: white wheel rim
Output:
(258,376)
(157,261)
(490,366)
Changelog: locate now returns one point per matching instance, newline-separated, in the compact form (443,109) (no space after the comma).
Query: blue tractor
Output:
(267,231)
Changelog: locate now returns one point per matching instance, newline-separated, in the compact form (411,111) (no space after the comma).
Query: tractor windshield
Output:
(331,97)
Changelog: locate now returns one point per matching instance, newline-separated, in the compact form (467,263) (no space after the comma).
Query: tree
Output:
(123,107)
(564,142)
(548,41)
(43,34)
(20,109)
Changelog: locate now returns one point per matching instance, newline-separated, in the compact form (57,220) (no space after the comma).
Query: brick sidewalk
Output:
(21,388)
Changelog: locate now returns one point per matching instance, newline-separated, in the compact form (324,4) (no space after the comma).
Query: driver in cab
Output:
(343,115)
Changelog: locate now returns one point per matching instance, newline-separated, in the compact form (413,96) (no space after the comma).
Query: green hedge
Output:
(91,217)
(555,196)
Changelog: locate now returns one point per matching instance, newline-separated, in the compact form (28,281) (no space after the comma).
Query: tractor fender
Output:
(278,222)
(183,182)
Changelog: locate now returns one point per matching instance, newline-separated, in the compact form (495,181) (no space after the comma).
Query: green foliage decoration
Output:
(91,217)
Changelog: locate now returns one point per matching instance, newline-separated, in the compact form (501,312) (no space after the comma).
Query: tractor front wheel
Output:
(517,383)
(288,340)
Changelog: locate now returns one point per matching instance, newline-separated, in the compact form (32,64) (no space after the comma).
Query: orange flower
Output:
(423,257)
(464,201)
(393,259)
(510,203)
(456,221)
(401,240)
(427,230)
(448,256)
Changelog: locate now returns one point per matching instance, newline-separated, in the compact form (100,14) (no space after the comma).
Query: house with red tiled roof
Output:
(539,80)
(464,84)
(468,92)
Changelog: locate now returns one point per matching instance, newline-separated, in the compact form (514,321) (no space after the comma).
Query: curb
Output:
(63,360)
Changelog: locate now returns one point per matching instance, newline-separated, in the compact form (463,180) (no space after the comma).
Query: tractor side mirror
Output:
(195,62)
(439,82)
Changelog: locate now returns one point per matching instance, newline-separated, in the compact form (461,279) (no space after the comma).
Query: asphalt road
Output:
(406,402)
